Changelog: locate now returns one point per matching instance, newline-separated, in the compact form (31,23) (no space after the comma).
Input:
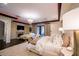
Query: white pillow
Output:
(69,48)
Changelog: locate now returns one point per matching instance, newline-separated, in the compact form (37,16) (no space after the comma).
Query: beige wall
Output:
(47,29)
(77,42)
(26,29)
(13,30)
(65,8)
(34,28)
(55,27)
(70,33)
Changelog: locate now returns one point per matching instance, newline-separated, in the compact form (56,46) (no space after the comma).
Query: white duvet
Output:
(50,44)
(27,36)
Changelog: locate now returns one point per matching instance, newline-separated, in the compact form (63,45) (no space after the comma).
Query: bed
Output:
(48,45)
(53,45)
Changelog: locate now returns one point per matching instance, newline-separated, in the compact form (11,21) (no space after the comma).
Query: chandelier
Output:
(30,21)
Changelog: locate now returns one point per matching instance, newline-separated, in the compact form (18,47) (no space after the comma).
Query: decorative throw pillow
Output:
(66,40)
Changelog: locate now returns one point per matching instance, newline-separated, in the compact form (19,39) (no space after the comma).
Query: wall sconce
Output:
(61,29)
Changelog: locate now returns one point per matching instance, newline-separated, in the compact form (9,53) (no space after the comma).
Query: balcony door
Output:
(41,30)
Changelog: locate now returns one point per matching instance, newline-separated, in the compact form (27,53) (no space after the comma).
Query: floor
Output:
(13,42)
(17,50)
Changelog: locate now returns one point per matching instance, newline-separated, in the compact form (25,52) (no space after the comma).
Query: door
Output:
(1,30)
(40,30)
(1,35)
(77,42)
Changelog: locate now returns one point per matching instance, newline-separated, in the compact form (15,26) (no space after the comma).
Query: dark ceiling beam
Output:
(46,21)
(8,16)
(59,10)
(20,22)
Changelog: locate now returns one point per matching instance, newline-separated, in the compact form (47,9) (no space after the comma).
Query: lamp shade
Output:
(61,30)
(71,20)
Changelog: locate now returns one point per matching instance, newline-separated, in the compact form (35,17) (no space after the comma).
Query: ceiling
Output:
(39,12)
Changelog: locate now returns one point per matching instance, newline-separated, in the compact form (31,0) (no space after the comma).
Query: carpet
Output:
(17,50)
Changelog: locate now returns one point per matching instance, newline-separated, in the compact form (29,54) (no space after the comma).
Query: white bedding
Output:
(50,44)
(29,35)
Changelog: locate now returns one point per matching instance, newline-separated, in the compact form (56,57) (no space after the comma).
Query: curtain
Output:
(47,29)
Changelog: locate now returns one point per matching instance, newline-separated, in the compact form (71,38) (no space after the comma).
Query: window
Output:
(40,30)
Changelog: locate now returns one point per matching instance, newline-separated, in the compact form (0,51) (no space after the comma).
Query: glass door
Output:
(40,30)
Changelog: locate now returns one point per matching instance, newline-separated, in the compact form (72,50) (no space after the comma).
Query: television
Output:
(20,27)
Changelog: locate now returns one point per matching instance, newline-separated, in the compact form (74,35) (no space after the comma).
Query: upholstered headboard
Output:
(66,40)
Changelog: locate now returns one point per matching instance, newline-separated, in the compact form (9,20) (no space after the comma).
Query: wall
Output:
(67,7)
(71,20)
(70,33)
(77,43)
(55,27)
(34,28)
(7,30)
(26,29)
(50,28)
(47,29)
(14,29)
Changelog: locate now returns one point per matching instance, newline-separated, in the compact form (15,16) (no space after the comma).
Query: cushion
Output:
(34,41)
(66,40)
